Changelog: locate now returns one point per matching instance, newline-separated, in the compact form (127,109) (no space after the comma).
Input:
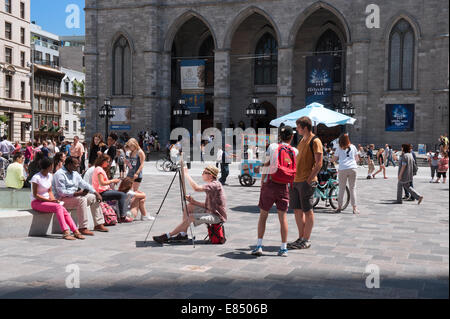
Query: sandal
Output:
(68,236)
(79,236)
(338,211)
(355,211)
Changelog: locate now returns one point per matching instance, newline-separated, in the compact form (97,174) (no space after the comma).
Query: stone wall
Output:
(151,27)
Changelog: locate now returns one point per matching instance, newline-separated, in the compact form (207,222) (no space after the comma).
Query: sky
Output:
(52,17)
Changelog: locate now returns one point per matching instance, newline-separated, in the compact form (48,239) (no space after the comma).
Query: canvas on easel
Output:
(183,178)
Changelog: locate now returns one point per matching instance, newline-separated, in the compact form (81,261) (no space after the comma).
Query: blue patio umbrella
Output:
(318,115)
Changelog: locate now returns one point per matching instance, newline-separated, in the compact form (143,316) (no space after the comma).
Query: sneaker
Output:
(147,218)
(305,244)
(179,238)
(161,239)
(295,244)
(283,253)
(257,251)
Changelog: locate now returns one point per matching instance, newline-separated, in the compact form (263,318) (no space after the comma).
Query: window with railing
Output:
(8,6)
(8,86)
(37,84)
(8,31)
(8,55)
(22,10)
(22,35)
(50,87)
(22,59)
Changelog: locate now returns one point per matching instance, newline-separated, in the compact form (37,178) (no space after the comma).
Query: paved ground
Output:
(408,243)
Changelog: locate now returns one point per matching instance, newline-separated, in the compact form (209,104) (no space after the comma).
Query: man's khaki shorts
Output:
(201,216)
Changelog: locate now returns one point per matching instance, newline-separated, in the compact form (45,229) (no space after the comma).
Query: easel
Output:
(180,173)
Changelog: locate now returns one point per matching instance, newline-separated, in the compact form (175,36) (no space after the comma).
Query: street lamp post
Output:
(255,110)
(181,110)
(346,108)
(107,112)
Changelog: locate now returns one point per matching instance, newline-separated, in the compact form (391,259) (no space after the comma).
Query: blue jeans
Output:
(390,160)
(225,171)
(120,197)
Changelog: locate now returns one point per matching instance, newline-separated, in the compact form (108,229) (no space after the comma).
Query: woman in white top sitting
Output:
(347,155)
(42,200)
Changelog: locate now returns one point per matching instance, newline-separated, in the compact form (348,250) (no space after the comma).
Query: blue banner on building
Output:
(319,80)
(195,102)
(399,117)
(193,84)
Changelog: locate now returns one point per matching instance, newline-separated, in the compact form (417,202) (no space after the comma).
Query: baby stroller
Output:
(250,171)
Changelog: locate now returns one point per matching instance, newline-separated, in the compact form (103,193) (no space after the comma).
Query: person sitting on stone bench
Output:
(102,185)
(212,211)
(43,200)
(14,174)
(70,188)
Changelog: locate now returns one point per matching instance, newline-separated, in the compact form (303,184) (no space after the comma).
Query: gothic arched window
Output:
(401,56)
(266,68)
(330,44)
(122,67)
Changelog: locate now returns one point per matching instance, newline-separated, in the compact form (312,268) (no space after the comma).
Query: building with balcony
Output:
(73,106)
(15,92)
(47,84)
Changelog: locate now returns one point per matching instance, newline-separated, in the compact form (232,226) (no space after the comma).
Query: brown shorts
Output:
(302,197)
(273,193)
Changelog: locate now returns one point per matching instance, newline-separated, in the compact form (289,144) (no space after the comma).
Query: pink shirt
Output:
(77,150)
(95,182)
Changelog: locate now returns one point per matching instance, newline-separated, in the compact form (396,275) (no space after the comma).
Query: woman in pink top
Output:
(443,168)
(42,200)
(102,185)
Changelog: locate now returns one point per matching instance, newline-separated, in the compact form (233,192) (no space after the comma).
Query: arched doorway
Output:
(193,41)
(322,33)
(253,66)
(271,115)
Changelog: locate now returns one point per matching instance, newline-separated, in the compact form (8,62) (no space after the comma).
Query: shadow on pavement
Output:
(151,243)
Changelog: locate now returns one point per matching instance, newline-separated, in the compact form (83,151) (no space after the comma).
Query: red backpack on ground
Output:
(109,214)
(216,234)
(287,165)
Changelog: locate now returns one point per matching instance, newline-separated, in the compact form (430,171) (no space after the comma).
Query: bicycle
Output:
(328,190)
(166,165)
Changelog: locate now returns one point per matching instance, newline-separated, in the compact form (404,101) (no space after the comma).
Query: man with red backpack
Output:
(278,172)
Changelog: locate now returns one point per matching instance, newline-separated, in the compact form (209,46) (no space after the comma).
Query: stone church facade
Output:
(134,47)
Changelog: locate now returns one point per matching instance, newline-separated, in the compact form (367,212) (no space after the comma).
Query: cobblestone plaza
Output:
(408,243)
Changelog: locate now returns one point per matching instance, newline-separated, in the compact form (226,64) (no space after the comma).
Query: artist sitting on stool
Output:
(212,211)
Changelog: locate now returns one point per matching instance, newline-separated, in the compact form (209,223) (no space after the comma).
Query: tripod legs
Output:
(160,207)
(183,204)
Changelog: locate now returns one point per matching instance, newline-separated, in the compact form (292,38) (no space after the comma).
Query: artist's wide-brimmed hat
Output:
(214,171)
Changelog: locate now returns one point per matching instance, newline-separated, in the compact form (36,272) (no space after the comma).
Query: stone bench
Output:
(25,223)
(17,219)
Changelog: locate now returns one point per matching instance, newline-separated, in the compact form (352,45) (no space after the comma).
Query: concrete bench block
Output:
(24,223)
(15,199)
